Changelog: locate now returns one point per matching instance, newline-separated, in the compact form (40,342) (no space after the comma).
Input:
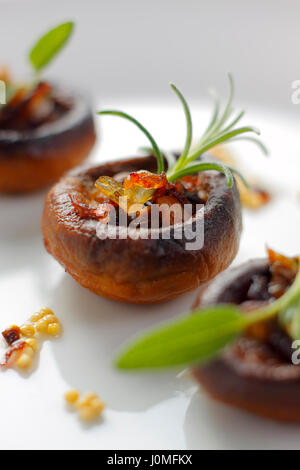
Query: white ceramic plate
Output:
(145,411)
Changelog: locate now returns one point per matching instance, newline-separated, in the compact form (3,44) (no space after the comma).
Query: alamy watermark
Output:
(295,96)
(156,221)
(2,92)
(296,353)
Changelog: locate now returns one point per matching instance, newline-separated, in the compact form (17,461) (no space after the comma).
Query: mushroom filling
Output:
(30,107)
(134,194)
(264,289)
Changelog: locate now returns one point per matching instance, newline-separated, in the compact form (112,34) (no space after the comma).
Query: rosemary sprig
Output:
(169,156)
(219,130)
(157,152)
(189,125)
(203,333)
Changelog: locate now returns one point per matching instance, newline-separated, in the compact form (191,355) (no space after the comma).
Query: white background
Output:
(135,47)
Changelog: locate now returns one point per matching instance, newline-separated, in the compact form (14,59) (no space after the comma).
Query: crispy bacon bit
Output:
(12,334)
(190,182)
(102,212)
(133,193)
(17,346)
(29,108)
(283,273)
(83,209)
(22,110)
(88,211)
(16,99)
(36,96)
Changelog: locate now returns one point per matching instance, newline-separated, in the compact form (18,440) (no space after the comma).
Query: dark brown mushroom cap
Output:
(232,286)
(35,158)
(252,374)
(143,270)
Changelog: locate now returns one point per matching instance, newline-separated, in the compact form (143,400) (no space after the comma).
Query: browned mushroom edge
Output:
(34,158)
(143,270)
(255,373)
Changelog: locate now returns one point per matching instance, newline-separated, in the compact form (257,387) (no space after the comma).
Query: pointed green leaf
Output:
(49,45)
(195,337)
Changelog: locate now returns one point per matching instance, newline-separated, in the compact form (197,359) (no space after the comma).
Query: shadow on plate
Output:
(94,330)
(20,232)
(21,215)
(212,425)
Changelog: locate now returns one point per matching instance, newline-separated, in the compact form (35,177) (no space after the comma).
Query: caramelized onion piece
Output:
(136,189)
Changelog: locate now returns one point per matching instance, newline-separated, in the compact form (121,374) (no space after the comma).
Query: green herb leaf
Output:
(225,137)
(245,182)
(157,152)
(203,166)
(169,156)
(294,324)
(49,45)
(189,126)
(258,142)
(219,130)
(194,337)
(205,332)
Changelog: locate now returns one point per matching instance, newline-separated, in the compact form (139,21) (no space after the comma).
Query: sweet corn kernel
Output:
(53,329)
(46,311)
(36,317)
(87,413)
(50,319)
(89,397)
(24,361)
(82,403)
(29,351)
(71,396)
(32,342)
(27,330)
(97,405)
(42,326)
(43,322)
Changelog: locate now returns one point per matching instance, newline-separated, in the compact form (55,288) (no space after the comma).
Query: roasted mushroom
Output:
(44,130)
(157,264)
(143,270)
(241,339)
(256,373)
(35,149)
